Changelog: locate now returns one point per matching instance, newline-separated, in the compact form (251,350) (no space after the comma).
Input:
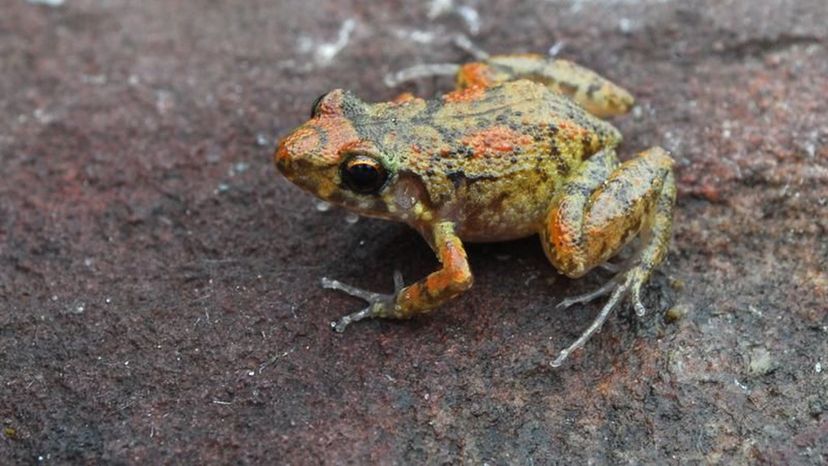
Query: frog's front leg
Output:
(601,209)
(453,278)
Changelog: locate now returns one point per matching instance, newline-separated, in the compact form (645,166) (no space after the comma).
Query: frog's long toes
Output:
(612,302)
(640,309)
(366,295)
(587,297)
(340,325)
(612,268)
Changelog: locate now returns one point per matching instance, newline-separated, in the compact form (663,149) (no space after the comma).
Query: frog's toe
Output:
(588,297)
(627,284)
(340,325)
(379,304)
(618,293)
(331,284)
(635,297)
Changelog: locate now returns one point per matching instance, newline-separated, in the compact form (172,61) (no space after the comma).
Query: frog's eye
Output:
(315,106)
(364,175)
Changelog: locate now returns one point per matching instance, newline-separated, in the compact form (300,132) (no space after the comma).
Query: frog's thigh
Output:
(597,94)
(600,210)
(593,92)
(451,280)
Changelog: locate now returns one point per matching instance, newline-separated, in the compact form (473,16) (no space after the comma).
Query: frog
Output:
(521,147)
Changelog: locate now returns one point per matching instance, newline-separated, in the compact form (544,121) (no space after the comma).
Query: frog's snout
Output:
(300,148)
(282,159)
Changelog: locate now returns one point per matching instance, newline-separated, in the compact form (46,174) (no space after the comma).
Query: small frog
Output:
(518,149)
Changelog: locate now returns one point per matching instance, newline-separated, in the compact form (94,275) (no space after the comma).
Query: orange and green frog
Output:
(520,148)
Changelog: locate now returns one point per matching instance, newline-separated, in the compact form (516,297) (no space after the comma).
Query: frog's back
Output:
(490,159)
(515,144)
(522,121)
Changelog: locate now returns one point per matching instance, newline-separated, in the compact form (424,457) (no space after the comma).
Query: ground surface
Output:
(159,297)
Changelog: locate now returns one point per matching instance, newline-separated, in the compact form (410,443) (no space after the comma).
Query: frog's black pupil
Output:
(363,178)
(315,106)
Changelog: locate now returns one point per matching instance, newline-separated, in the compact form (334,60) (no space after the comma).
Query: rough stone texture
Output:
(159,297)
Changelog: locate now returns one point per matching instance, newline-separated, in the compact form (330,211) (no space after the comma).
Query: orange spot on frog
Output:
(495,141)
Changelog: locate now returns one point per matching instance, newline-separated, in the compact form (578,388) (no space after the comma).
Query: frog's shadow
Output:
(379,248)
(508,275)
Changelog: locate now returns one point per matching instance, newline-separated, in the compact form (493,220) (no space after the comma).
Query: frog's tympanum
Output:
(519,149)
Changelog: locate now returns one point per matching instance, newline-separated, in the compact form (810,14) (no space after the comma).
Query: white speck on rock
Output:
(818,367)
(625,25)
(323,206)
(238,167)
(741,385)
(241,167)
(52,3)
(761,362)
(416,35)
(94,79)
(324,53)
(351,218)
(43,117)
(556,48)
(262,140)
(637,112)
(164,101)
(439,7)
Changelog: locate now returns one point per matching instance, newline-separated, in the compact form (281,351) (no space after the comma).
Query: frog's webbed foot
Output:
(625,284)
(379,304)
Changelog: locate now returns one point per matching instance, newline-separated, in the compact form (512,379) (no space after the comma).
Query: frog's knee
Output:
(597,94)
(562,248)
(657,156)
(475,74)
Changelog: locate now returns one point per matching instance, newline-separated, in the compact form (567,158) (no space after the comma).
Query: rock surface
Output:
(159,284)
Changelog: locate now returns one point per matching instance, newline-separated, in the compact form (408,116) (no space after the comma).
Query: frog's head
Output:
(334,157)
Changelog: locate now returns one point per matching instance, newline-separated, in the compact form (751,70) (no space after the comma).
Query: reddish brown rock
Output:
(159,284)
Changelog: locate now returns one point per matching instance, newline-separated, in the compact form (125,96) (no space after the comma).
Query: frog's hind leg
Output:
(595,93)
(601,209)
